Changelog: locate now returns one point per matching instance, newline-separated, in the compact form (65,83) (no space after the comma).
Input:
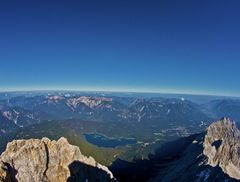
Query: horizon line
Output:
(119,91)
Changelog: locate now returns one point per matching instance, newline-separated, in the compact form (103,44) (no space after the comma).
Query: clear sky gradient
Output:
(190,46)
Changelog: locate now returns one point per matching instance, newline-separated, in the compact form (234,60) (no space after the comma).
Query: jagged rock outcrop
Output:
(213,155)
(222,147)
(44,160)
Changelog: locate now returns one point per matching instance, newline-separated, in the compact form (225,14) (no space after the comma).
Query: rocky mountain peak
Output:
(37,160)
(213,155)
(222,147)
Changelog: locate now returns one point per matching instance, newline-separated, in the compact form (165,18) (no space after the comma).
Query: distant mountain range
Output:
(225,107)
(23,111)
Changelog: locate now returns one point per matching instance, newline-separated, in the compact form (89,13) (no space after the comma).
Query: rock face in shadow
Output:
(142,170)
(80,172)
(49,161)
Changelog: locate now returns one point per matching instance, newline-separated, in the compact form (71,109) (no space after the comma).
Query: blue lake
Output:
(103,141)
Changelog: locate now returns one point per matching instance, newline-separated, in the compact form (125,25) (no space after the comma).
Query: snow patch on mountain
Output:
(142,108)
(54,99)
(11,115)
(168,111)
(88,101)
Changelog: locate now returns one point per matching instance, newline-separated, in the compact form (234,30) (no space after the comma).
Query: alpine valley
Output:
(139,137)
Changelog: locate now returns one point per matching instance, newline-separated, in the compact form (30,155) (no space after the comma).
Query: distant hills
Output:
(23,111)
(225,107)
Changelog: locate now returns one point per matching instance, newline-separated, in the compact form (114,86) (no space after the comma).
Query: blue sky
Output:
(187,46)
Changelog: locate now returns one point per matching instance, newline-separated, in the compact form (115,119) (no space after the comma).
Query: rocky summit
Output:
(213,155)
(44,160)
(222,147)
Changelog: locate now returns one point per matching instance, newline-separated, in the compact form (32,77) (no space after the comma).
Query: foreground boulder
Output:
(44,160)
